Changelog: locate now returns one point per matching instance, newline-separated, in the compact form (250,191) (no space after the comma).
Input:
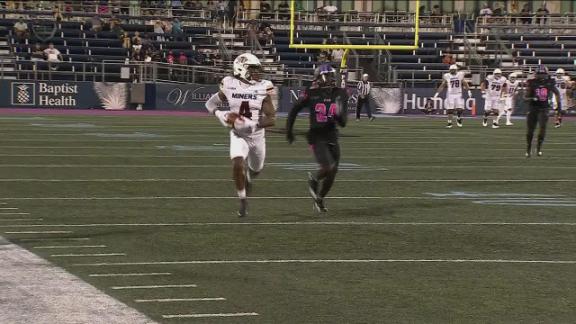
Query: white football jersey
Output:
(513,87)
(243,98)
(494,87)
(454,83)
(561,85)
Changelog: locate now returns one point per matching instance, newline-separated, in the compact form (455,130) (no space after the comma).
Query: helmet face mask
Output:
(512,77)
(453,69)
(248,68)
(326,76)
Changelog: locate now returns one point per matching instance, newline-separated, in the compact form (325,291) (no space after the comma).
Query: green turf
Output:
(185,211)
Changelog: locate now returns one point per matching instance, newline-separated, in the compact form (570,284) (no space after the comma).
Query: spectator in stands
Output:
(323,57)
(486,13)
(37,53)
(448,59)
(526,14)
(265,10)
(57,13)
(284,10)
(337,55)
(182,59)
(126,43)
(21,30)
(136,39)
(52,55)
(211,7)
(542,14)
(159,30)
(103,8)
(252,35)
(170,58)
(498,11)
(266,35)
(137,54)
(436,15)
(116,27)
(96,24)
(177,31)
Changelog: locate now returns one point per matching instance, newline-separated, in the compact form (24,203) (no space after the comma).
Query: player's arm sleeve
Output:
(557,95)
(268,117)
(212,106)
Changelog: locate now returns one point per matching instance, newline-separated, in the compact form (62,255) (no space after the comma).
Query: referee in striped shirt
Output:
(364,87)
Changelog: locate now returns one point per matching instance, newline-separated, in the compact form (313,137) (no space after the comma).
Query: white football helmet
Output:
(497,73)
(245,66)
(453,68)
(512,77)
(560,72)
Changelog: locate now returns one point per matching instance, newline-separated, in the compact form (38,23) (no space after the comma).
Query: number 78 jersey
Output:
(454,82)
(243,98)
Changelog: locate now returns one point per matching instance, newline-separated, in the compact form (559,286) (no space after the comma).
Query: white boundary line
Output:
(296,261)
(196,197)
(87,255)
(283,180)
(171,300)
(14,213)
(69,246)
(144,274)
(209,315)
(302,224)
(40,232)
(191,166)
(154,287)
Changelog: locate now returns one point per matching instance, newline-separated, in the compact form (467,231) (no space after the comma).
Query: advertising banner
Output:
(63,95)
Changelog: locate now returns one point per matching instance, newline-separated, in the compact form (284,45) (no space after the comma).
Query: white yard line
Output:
(197,197)
(143,274)
(299,224)
(209,315)
(8,208)
(69,246)
(20,219)
(14,213)
(283,180)
(36,291)
(53,239)
(154,287)
(219,166)
(303,261)
(73,255)
(40,232)
(173,300)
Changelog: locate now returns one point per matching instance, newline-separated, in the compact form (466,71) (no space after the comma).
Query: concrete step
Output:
(7,68)
(4,51)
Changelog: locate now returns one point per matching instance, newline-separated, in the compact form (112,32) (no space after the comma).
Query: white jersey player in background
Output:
(563,83)
(251,110)
(454,81)
(492,89)
(512,87)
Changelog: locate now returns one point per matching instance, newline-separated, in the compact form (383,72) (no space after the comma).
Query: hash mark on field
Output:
(8,208)
(154,287)
(40,232)
(69,246)
(14,213)
(87,255)
(209,315)
(130,274)
(20,219)
(171,300)
(52,239)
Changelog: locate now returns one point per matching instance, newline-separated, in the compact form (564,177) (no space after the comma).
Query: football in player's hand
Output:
(231,118)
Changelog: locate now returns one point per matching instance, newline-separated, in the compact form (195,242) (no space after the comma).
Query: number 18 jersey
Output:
(244,98)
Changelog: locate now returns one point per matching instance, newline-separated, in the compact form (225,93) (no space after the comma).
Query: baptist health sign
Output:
(49,95)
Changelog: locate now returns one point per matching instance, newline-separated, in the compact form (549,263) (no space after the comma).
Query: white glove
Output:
(436,95)
(469,94)
(245,126)
(222,117)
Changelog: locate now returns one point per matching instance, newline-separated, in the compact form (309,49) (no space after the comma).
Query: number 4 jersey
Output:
(244,98)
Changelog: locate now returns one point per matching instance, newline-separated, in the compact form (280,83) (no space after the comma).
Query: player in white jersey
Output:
(251,110)
(492,89)
(454,81)
(563,83)
(512,87)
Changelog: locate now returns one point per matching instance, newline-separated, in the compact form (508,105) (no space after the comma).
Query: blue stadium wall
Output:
(191,97)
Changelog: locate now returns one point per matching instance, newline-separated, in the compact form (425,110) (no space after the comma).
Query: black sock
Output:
(327,184)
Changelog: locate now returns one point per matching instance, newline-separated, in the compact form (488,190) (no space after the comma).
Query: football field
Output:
(425,224)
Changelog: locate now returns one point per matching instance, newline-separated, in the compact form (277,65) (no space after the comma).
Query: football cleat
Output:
(557,125)
(312,186)
(243,211)
(459,123)
(540,153)
(528,154)
(357,119)
(495,125)
(372,118)
(485,122)
(449,125)
(509,124)
(319,206)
